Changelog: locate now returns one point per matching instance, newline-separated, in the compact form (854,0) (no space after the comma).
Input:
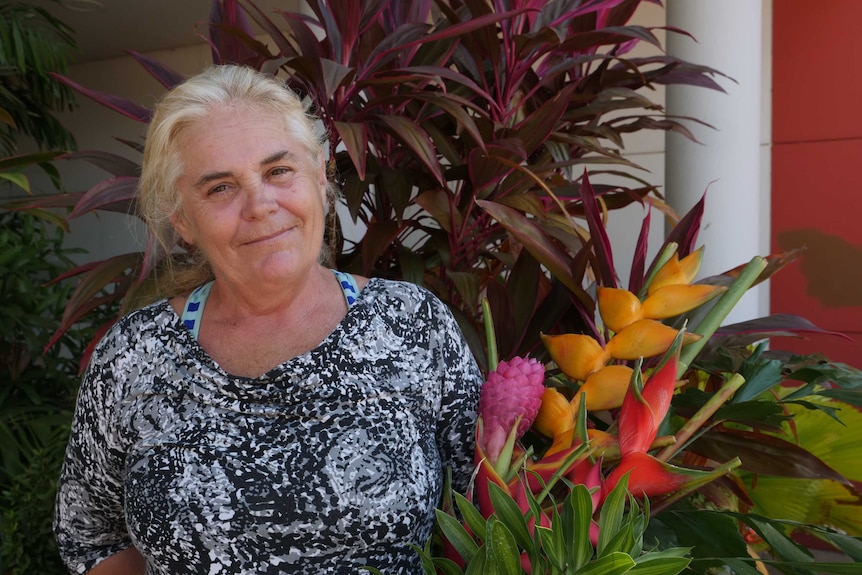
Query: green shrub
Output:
(37,390)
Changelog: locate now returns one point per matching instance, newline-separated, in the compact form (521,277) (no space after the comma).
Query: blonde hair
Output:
(190,102)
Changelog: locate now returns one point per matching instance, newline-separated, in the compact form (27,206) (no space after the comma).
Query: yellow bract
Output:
(677,271)
(618,307)
(644,338)
(577,355)
(672,300)
(606,388)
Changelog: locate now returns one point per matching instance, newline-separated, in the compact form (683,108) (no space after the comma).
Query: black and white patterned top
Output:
(331,461)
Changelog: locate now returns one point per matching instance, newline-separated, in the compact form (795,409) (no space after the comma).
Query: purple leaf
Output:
(685,232)
(334,75)
(601,243)
(121,105)
(378,239)
(22,160)
(766,454)
(268,26)
(355,138)
(166,76)
(534,239)
(636,279)
(114,194)
(228,24)
(775,325)
(111,163)
(417,140)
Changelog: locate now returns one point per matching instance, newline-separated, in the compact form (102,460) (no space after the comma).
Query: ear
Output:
(182,228)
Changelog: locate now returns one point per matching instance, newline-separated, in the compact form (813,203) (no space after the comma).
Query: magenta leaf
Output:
(114,194)
(166,76)
(604,259)
(121,105)
(111,163)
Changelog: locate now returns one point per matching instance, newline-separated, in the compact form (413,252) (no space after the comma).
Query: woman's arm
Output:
(127,562)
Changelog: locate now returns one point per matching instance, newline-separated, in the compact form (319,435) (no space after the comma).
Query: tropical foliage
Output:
(718,448)
(37,390)
(33,43)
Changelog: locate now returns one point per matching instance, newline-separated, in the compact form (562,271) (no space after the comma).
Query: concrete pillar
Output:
(728,37)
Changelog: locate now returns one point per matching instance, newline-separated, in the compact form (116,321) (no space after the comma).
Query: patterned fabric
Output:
(331,461)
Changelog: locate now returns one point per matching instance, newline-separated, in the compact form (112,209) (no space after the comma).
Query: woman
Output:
(280,417)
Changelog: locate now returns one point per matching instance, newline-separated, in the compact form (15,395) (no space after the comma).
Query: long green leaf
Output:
(576,518)
(615,563)
(510,515)
(502,555)
(471,515)
(611,516)
(456,535)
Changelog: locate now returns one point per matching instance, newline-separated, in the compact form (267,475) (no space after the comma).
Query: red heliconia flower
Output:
(649,477)
(513,390)
(644,409)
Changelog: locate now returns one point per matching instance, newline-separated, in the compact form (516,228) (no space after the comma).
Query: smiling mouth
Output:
(266,238)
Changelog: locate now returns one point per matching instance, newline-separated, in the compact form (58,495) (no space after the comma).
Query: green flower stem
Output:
(714,474)
(704,413)
(565,465)
(720,310)
(490,335)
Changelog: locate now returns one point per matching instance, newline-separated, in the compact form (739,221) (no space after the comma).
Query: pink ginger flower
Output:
(514,389)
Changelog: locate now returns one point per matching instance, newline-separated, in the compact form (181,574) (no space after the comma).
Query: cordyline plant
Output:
(444,118)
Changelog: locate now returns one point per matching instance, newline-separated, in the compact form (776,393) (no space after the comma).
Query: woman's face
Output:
(252,199)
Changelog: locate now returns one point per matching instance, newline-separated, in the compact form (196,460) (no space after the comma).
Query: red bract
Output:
(644,409)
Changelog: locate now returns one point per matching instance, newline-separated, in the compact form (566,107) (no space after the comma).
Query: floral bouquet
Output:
(639,447)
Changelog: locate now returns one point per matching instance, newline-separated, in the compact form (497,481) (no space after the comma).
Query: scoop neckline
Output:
(273,373)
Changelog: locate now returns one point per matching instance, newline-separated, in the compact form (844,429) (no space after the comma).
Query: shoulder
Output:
(133,328)
(403,298)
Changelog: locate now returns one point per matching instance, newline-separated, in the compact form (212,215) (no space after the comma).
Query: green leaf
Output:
(477,565)
(502,555)
(471,515)
(19,180)
(666,562)
(611,516)
(615,563)
(552,545)
(820,567)
(456,535)
(575,520)
(510,515)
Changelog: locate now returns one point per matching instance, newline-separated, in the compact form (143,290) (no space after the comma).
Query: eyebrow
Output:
(211,176)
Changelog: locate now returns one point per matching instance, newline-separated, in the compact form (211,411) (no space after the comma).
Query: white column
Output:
(727,159)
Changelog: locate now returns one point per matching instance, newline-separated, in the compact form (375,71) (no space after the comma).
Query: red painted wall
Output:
(816,161)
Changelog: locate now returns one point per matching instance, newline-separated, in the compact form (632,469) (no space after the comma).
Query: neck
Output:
(299,294)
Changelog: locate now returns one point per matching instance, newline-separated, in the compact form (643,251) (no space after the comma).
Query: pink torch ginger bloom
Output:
(514,389)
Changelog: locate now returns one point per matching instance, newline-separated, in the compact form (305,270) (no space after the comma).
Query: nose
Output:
(260,200)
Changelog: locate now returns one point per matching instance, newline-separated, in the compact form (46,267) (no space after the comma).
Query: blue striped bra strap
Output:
(194,308)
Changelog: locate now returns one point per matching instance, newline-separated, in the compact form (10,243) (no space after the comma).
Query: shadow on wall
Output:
(832,267)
